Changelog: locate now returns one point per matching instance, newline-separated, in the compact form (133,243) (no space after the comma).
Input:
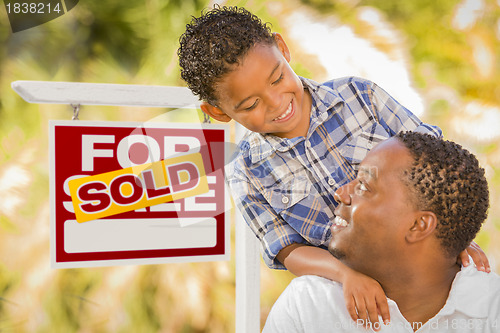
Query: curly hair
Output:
(214,43)
(447,180)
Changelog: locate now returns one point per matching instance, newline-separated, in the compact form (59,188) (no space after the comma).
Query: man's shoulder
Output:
(312,286)
(314,279)
(471,273)
(476,293)
(311,304)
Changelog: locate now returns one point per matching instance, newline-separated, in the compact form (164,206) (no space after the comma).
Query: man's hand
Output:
(478,256)
(365,299)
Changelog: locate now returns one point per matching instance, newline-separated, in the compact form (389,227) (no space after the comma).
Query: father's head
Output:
(416,199)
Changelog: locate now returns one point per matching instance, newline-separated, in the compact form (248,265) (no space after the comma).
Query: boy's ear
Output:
(423,226)
(214,112)
(280,42)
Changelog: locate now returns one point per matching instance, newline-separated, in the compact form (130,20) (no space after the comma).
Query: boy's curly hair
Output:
(216,41)
(447,180)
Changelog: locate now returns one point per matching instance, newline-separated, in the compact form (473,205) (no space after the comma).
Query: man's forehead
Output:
(370,171)
(388,157)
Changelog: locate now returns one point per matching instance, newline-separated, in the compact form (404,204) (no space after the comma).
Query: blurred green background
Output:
(439,58)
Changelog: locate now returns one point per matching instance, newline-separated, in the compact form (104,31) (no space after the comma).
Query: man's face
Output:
(264,94)
(377,209)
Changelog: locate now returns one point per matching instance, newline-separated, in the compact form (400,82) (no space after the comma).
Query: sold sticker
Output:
(137,187)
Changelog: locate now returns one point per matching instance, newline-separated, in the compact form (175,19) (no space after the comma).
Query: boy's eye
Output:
(278,80)
(252,106)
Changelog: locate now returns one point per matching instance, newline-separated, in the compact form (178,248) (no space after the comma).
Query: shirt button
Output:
(331,181)
(308,144)
(284,200)
(369,145)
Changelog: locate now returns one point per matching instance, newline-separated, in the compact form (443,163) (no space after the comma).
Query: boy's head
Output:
(240,70)
(214,43)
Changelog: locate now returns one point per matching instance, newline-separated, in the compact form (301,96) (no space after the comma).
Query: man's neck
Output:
(421,293)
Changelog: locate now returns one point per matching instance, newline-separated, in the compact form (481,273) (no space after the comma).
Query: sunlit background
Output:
(441,59)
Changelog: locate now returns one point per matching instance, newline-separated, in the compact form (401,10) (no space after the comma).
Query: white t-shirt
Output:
(314,304)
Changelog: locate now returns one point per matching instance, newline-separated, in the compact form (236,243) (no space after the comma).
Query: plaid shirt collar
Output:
(260,146)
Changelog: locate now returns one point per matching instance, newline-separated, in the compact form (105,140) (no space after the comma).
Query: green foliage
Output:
(140,302)
(433,39)
(67,301)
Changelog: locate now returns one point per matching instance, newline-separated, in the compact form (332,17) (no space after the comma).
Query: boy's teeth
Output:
(287,112)
(340,221)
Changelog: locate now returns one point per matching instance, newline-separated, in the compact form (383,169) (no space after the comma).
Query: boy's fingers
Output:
(351,308)
(479,257)
(464,258)
(383,308)
(362,314)
(373,316)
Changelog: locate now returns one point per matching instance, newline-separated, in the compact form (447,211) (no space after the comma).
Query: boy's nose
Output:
(343,194)
(274,101)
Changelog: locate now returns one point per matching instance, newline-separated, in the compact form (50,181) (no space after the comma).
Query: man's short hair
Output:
(216,41)
(447,180)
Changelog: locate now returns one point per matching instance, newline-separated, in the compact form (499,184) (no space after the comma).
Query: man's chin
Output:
(339,254)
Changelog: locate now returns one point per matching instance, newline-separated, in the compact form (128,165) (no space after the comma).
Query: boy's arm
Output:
(273,232)
(363,296)
(301,259)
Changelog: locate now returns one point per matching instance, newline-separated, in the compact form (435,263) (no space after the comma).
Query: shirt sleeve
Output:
(273,232)
(394,117)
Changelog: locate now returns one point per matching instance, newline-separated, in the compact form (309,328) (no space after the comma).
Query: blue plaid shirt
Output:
(284,187)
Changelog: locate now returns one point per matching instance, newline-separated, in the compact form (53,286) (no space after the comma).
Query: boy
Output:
(307,140)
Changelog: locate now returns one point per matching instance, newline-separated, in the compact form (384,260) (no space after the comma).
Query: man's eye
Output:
(361,187)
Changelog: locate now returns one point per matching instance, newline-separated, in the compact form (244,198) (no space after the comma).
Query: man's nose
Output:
(343,194)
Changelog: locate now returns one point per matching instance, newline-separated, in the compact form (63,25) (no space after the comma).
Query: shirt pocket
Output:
(355,150)
(286,194)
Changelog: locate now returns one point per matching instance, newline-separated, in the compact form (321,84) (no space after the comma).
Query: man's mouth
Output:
(339,223)
(285,114)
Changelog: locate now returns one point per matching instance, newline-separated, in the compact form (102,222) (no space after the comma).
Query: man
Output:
(416,203)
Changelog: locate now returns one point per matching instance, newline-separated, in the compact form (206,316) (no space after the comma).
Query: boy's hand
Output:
(478,256)
(365,299)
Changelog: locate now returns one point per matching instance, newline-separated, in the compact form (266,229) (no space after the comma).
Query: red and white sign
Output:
(186,229)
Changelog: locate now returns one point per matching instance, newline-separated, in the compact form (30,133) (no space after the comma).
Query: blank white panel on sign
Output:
(132,235)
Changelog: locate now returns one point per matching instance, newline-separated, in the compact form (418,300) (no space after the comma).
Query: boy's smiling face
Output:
(264,94)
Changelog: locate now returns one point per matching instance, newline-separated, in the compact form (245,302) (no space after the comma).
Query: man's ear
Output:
(424,225)
(214,112)
(280,42)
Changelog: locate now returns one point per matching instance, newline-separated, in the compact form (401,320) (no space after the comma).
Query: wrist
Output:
(346,274)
